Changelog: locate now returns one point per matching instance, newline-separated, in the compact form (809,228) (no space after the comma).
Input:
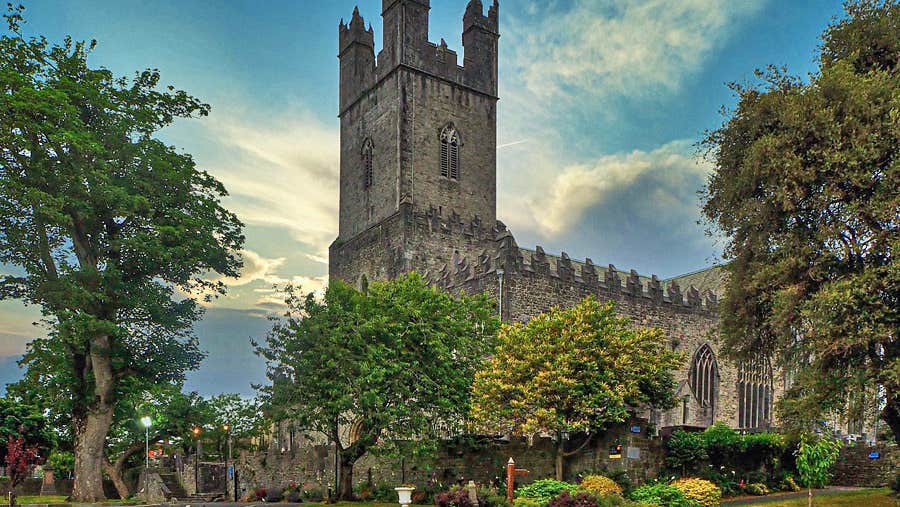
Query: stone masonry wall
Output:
(855,468)
(483,461)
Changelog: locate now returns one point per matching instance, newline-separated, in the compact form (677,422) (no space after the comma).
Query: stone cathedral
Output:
(418,192)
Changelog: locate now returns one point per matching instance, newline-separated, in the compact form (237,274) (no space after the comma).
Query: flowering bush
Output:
(583,499)
(600,485)
(704,492)
(662,495)
(757,488)
(545,490)
(789,484)
(458,497)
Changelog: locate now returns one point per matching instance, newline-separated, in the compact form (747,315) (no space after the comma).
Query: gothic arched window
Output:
(367,162)
(704,376)
(450,152)
(755,392)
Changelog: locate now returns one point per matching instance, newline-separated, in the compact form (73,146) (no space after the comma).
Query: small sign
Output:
(634,453)
(231,472)
(874,455)
(615,452)
(636,429)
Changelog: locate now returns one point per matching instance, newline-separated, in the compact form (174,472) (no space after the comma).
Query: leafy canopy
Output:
(805,189)
(395,362)
(104,220)
(577,369)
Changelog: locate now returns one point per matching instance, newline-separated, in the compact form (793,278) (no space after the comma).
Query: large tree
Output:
(111,228)
(393,363)
(572,371)
(806,189)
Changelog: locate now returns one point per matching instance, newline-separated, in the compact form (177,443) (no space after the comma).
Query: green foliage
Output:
(400,357)
(528,502)
(815,460)
(789,484)
(563,364)
(544,490)
(599,485)
(63,463)
(722,444)
(115,233)
(703,492)
(18,419)
(757,489)
(762,448)
(662,495)
(805,189)
(685,451)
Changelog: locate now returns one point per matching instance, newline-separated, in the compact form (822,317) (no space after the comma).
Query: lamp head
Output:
(196,431)
(226,427)
(146,421)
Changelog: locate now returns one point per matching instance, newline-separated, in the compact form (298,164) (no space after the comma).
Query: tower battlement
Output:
(406,44)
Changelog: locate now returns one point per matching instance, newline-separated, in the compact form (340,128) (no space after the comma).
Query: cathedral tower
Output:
(418,135)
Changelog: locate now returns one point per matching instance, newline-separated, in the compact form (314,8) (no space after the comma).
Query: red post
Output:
(510,479)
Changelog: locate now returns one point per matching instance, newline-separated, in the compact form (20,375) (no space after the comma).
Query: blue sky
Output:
(602,102)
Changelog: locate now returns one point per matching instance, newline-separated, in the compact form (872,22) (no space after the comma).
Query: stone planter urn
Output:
(405,494)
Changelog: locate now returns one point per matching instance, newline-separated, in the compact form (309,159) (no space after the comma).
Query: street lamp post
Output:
(147,422)
(196,433)
(227,428)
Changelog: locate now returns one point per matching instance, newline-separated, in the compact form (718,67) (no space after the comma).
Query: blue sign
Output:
(231,472)
(874,455)
(635,429)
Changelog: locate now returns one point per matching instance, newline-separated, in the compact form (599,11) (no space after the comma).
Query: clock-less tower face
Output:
(417,127)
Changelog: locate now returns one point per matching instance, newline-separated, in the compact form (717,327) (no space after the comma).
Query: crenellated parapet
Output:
(405,44)
(561,271)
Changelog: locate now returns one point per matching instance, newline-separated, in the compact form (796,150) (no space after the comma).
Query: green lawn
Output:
(867,498)
(23,499)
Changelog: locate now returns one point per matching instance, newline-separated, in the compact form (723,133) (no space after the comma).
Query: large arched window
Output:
(367,162)
(704,377)
(755,392)
(450,152)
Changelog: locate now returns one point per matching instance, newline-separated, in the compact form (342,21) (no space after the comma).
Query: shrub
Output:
(757,488)
(762,449)
(789,484)
(566,499)
(273,495)
(722,444)
(458,497)
(661,494)
(896,484)
(726,480)
(545,490)
(383,493)
(684,451)
(704,492)
(259,493)
(526,502)
(293,496)
(600,485)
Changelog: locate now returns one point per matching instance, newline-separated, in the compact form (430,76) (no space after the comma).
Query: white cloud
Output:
(284,173)
(580,187)
(622,48)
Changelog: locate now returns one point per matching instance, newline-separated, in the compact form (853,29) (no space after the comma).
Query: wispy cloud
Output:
(281,171)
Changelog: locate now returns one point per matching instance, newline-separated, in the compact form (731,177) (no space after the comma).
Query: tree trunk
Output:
(115,473)
(90,439)
(560,459)
(345,485)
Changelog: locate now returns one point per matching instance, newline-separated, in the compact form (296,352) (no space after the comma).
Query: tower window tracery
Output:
(704,376)
(450,152)
(755,392)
